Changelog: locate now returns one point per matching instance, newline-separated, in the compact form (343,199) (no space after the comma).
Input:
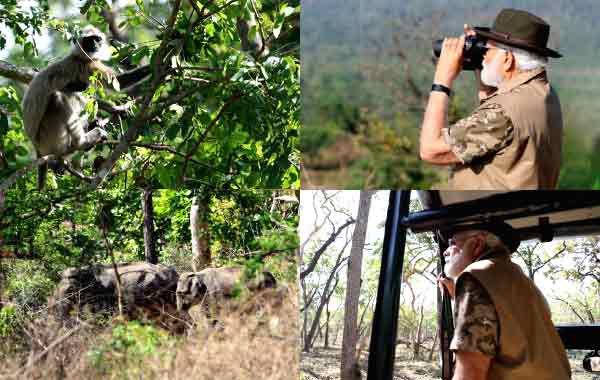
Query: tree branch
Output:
(313,262)
(260,29)
(15,73)
(25,76)
(192,151)
(145,114)
(218,9)
(572,309)
(164,148)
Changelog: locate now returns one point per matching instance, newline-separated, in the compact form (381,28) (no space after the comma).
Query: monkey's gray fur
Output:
(53,105)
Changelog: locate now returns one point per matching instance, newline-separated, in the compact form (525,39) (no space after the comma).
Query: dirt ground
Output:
(324,364)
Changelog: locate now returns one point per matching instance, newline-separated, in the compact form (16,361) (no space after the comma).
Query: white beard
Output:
(456,264)
(490,75)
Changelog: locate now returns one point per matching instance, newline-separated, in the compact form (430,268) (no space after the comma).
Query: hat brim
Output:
(489,34)
(509,236)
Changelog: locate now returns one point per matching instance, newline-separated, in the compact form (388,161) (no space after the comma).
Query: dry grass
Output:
(255,338)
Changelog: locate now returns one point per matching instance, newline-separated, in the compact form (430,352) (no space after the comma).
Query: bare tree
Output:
(326,293)
(329,207)
(349,367)
(533,260)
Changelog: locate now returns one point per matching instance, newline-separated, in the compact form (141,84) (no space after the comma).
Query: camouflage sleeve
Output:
(485,131)
(477,325)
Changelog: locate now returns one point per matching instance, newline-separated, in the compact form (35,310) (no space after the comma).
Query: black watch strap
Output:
(441,88)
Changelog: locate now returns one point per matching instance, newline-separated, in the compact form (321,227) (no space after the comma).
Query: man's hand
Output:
(448,283)
(471,366)
(450,62)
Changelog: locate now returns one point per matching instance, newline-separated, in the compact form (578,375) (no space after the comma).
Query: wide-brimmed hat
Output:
(504,231)
(520,29)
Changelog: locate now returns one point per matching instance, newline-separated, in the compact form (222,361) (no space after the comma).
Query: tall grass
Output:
(255,338)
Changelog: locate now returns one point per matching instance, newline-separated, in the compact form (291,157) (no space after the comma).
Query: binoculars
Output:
(473,52)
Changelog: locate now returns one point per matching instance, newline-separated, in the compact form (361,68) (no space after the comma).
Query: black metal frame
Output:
(580,337)
(497,207)
(385,319)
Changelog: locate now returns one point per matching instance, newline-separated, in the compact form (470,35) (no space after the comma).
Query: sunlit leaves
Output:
(237,126)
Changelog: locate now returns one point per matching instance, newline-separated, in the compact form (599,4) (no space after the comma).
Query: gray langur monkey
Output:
(53,105)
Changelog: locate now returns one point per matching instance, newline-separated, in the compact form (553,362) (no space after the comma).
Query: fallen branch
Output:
(42,354)
(311,372)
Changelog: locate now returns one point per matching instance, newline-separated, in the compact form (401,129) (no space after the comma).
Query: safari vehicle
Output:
(543,215)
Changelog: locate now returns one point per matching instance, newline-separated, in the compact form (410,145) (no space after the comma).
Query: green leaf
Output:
(277,29)
(115,84)
(286,11)
(141,6)
(28,51)
(210,29)
(173,131)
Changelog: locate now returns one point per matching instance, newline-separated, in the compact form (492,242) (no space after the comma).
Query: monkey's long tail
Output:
(42,174)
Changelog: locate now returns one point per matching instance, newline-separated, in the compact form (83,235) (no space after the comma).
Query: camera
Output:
(472,54)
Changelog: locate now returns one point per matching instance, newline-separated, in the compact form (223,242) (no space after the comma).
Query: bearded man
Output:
(503,326)
(513,139)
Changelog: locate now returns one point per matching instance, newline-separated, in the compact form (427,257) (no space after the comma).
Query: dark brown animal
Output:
(212,284)
(148,292)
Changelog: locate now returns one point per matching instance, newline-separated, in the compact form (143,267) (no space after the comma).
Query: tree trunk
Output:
(349,368)
(1,283)
(2,200)
(327,316)
(417,338)
(149,238)
(200,237)
(433,345)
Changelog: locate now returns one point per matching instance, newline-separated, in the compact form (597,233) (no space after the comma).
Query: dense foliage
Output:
(211,114)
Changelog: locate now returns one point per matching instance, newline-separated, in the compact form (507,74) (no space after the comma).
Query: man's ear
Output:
(509,62)
(478,246)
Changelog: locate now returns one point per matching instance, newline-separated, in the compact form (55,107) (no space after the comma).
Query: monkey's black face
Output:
(91,44)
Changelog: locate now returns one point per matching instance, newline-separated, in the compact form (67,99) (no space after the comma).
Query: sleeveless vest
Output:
(529,345)
(532,159)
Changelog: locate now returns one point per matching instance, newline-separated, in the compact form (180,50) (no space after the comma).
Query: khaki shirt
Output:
(512,140)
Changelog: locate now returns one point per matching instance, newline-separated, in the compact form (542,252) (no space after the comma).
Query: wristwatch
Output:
(441,88)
